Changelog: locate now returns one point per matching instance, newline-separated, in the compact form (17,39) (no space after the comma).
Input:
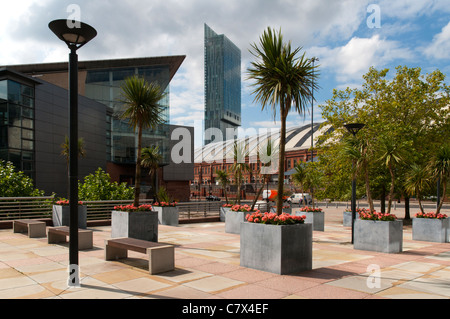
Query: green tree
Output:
(98,186)
(239,167)
(298,178)
(65,151)
(223,179)
(15,183)
(151,158)
(282,81)
(417,182)
(143,111)
(440,167)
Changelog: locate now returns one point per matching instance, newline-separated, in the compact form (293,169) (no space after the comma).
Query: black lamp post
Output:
(354,129)
(75,34)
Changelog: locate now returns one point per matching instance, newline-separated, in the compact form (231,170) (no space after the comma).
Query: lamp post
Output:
(75,34)
(314,59)
(353,128)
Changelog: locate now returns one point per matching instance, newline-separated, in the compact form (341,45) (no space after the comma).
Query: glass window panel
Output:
(27,112)
(28,134)
(27,123)
(27,156)
(27,101)
(13,91)
(4,90)
(27,145)
(3,136)
(27,90)
(14,137)
(27,166)
(14,114)
(15,158)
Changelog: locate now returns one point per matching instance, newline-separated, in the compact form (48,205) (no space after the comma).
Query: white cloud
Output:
(351,61)
(440,46)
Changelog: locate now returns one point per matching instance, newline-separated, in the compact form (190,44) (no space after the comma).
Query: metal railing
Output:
(25,207)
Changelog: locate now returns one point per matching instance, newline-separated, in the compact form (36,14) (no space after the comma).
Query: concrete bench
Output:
(161,257)
(33,227)
(59,234)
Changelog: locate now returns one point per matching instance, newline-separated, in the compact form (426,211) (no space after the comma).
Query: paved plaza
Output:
(207,267)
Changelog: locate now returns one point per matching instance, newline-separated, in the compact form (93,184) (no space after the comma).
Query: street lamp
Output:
(75,34)
(353,128)
(314,59)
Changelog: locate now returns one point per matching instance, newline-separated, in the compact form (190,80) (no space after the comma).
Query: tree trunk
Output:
(383,199)
(137,186)
(444,190)
(257,195)
(281,161)
(368,192)
(391,190)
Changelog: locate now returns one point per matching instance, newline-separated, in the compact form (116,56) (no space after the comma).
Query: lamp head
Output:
(354,128)
(74,33)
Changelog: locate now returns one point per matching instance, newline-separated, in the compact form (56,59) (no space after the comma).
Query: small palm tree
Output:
(239,167)
(222,177)
(417,181)
(440,167)
(65,151)
(266,154)
(283,81)
(143,111)
(151,158)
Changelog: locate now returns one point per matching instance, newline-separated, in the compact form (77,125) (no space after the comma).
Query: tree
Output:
(143,111)
(98,186)
(282,80)
(440,167)
(417,182)
(15,183)
(298,178)
(222,177)
(239,167)
(151,158)
(65,151)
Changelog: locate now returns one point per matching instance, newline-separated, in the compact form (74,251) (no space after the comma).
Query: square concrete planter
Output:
(431,229)
(280,249)
(317,219)
(167,215)
(139,225)
(223,213)
(233,221)
(380,236)
(347,218)
(61,216)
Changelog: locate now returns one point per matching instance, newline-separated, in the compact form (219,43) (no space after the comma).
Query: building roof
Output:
(174,63)
(297,138)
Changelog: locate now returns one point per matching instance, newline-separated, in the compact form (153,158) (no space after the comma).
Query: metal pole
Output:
(353,206)
(438,186)
(73,168)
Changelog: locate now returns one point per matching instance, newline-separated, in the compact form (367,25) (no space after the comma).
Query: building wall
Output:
(51,127)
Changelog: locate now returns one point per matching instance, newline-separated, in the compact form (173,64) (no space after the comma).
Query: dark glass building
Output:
(222,84)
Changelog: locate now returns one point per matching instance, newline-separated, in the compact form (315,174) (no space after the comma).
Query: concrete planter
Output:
(431,229)
(167,215)
(280,249)
(380,236)
(347,218)
(138,225)
(61,216)
(233,221)
(223,213)
(317,219)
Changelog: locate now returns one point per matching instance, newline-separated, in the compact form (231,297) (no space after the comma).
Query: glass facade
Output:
(222,83)
(104,86)
(17,125)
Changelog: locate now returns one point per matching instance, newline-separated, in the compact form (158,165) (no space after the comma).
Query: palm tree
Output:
(143,111)
(65,151)
(150,158)
(417,182)
(391,156)
(223,179)
(298,178)
(239,167)
(281,79)
(440,167)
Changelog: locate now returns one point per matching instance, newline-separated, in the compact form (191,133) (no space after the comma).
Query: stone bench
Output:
(33,227)
(59,234)
(161,257)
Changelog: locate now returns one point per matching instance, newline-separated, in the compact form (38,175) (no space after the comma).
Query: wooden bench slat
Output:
(137,245)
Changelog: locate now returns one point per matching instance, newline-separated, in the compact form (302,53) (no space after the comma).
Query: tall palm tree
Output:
(283,79)
(239,167)
(222,177)
(151,158)
(298,178)
(417,181)
(143,111)
(440,167)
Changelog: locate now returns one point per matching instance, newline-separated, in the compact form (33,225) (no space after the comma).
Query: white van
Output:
(300,198)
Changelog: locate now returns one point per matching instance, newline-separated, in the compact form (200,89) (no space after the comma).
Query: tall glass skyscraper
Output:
(222,84)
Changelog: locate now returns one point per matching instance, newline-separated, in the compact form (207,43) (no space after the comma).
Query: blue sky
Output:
(348,37)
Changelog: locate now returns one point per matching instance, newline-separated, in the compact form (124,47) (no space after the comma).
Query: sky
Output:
(347,36)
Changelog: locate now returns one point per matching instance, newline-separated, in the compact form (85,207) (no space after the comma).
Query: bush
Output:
(98,186)
(15,183)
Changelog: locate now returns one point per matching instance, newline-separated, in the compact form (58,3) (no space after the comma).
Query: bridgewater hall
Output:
(34,122)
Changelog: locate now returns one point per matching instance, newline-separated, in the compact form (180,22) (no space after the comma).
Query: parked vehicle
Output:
(300,198)
(271,195)
(212,198)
